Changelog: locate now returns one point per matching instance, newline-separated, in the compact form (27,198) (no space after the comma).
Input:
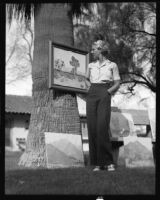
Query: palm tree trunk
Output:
(52,111)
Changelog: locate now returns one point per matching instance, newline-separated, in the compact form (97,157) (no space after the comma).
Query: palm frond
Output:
(77,8)
(22,11)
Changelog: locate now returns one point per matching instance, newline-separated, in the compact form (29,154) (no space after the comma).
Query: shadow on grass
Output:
(80,181)
(76,181)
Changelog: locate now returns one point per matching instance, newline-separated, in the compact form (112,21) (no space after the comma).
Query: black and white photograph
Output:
(80,99)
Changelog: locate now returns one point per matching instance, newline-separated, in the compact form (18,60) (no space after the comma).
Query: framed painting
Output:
(152,119)
(121,124)
(138,152)
(63,150)
(67,68)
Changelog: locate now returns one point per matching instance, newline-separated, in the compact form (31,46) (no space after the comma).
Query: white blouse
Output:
(106,71)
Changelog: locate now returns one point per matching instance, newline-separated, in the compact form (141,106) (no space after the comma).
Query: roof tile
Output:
(18,104)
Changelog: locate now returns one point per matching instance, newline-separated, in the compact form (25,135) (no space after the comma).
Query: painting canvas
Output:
(138,152)
(152,119)
(63,150)
(121,124)
(67,68)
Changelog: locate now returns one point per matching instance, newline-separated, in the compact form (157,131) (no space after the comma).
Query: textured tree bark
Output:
(53,111)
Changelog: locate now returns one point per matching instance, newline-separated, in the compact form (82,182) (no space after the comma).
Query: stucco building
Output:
(17,118)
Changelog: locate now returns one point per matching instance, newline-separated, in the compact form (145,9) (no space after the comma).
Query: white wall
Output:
(18,130)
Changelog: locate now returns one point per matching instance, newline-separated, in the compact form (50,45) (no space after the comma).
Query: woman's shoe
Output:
(97,168)
(110,167)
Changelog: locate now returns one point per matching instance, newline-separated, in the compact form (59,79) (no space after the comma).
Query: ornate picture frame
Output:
(67,68)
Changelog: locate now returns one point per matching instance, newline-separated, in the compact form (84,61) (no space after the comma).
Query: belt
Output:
(106,82)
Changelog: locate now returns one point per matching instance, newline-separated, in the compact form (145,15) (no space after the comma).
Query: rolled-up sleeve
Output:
(116,75)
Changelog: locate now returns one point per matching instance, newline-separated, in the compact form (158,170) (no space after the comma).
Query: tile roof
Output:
(18,104)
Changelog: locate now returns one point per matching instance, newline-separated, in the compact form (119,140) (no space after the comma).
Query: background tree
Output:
(53,111)
(19,51)
(130,30)
(138,23)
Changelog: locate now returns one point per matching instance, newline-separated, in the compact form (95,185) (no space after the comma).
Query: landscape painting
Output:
(63,150)
(121,124)
(138,152)
(152,119)
(67,68)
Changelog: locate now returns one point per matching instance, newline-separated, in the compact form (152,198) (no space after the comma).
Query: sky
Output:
(20,87)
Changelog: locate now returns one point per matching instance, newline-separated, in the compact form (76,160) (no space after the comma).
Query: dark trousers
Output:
(98,108)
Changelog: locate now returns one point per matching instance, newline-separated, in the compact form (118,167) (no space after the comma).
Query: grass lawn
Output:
(76,181)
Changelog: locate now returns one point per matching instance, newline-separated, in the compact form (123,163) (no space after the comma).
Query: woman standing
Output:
(105,80)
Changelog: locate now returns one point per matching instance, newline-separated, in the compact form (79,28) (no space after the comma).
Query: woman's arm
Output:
(88,83)
(88,73)
(115,87)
